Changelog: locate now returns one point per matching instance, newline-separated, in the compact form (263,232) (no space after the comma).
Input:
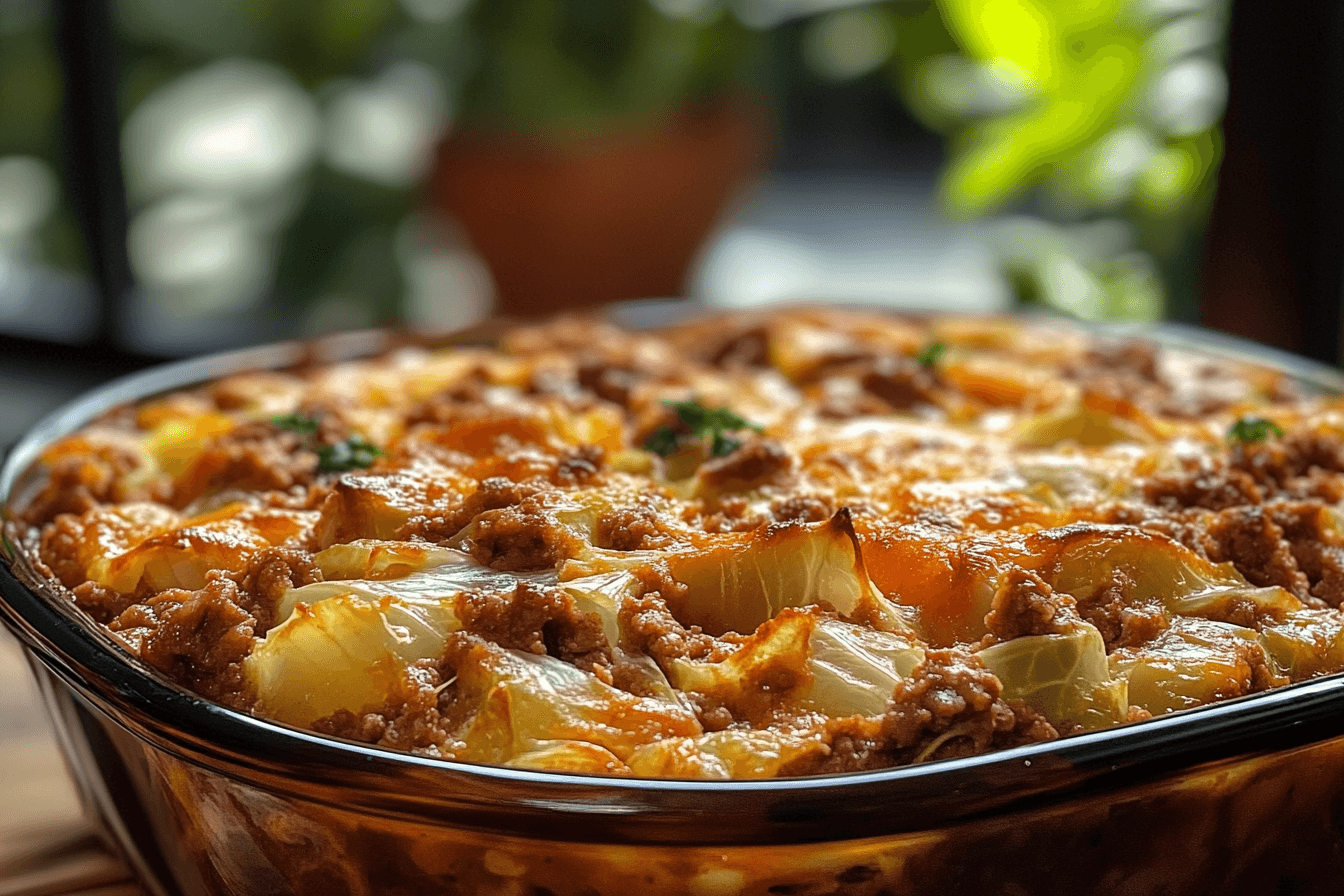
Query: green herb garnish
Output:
(1254,429)
(698,422)
(931,354)
(8,546)
(303,425)
(353,453)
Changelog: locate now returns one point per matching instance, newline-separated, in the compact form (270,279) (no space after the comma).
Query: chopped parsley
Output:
(1254,429)
(931,354)
(695,421)
(302,424)
(352,453)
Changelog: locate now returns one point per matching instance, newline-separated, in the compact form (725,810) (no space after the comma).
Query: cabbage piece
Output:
(572,757)
(737,588)
(107,532)
(772,662)
(180,558)
(523,702)
(602,596)
(734,753)
(1157,569)
(1307,643)
(1063,676)
(1194,662)
(371,559)
(1079,424)
(347,651)
(430,586)
(820,664)
(855,669)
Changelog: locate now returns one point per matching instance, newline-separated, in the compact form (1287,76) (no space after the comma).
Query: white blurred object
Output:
(197,255)
(237,125)
(27,196)
(385,130)
(846,239)
(447,285)
(848,43)
(1189,97)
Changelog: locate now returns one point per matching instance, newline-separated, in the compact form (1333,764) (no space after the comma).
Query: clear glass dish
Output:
(1245,796)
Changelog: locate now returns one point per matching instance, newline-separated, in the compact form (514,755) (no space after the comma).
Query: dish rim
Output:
(584,808)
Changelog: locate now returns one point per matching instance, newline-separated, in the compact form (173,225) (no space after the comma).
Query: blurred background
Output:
(179,176)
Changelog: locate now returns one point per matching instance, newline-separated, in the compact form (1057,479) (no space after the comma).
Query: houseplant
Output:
(596,144)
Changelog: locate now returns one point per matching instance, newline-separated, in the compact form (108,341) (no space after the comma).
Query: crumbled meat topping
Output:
(913,540)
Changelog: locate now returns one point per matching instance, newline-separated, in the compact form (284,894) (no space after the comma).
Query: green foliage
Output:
(352,453)
(698,422)
(931,354)
(1254,429)
(581,66)
(1074,110)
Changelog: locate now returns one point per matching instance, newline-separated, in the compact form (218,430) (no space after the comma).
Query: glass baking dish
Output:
(1244,796)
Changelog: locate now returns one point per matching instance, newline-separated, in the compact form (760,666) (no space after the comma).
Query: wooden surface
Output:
(46,849)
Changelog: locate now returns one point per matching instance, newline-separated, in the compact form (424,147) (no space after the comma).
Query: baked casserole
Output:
(794,543)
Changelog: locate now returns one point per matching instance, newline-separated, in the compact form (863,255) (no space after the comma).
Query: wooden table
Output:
(46,848)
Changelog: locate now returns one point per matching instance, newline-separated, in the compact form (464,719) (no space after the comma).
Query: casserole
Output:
(211,800)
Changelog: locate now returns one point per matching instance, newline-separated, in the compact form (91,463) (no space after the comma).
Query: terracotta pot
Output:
(571,223)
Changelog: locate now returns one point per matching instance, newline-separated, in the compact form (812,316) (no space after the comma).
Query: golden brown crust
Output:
(906,523)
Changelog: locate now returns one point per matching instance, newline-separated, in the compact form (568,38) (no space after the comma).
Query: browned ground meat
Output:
(902,383)
(1025,604)
(1249,539)
(197,638)
(79,483)
(269,574)
(255,456)
(1120,622)
(951,706)
(633,527)
(521,537)
(1213,488)
(537,620)
(758,462)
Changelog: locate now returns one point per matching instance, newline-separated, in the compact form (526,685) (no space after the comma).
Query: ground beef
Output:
(1316,544)
(522,537)
(902,383)
(1213,487)
(268,575)
(197,638)
(103,604)
(537,620)
(1120,622)
(950,706)
(650,628)
(802,508)
(1025,604)
(756,463)
(255,456)
(579,465)
(1250,539)
(412,722)
(494,493)
(608,382)
(640,526)
(77,483)
(60,549)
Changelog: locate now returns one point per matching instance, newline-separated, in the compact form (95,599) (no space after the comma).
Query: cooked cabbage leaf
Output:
(733,753)
(819,664)
(523,702)
(369,558)
(1063,676)
(429,586)
(1194,662)
(347,651)
(737,588)
(1307,643)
